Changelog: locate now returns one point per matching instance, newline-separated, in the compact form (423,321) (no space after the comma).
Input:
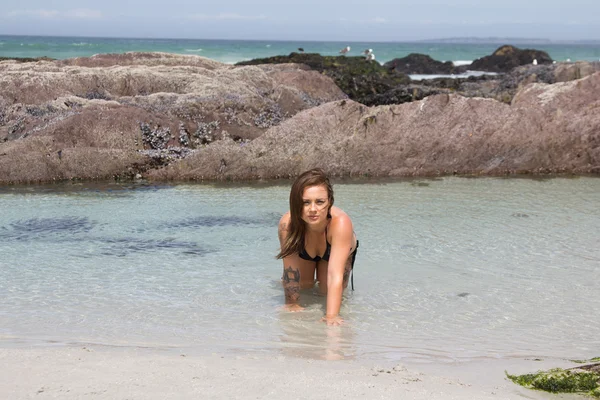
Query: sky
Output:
(342,20)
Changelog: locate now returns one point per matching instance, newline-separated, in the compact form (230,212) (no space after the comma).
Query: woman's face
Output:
(315,204)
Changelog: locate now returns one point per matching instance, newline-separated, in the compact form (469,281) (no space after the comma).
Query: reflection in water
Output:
(304,335)
(334,346)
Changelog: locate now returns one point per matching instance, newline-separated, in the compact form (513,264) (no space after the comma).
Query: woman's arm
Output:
(291,272)
(342,235)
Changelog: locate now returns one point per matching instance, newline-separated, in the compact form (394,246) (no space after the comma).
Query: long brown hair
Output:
(295,238)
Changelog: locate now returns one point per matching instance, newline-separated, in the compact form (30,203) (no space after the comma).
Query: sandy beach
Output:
(98,372)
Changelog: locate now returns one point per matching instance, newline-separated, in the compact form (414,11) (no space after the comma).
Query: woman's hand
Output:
(335,320)
(293,307)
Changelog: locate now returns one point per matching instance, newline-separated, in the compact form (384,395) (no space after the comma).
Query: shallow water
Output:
(448,269)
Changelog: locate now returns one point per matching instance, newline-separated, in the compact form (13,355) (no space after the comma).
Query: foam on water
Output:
(448,269)
(467,74)
(458,63)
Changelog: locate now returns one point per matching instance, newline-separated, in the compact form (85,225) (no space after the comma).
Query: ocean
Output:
(232,51)
(452,269)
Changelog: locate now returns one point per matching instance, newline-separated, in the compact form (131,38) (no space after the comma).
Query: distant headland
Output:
(503,40)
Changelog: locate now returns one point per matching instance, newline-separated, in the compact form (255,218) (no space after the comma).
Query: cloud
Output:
(54,14)
(45,14)
(225,17)
(363,21)
(83,14)
(378,20)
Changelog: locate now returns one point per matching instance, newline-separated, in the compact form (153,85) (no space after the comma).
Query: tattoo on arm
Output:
(347,271)
(281,232)
(291,284)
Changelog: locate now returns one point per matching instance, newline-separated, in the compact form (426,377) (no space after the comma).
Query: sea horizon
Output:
(458,39)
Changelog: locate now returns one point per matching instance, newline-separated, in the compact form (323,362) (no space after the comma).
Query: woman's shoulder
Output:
(338,213)
(339,218)
(285,220)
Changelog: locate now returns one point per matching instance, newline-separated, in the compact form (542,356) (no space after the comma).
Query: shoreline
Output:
(108,183)
(74,372)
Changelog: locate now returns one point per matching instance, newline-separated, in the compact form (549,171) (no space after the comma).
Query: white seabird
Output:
(345,50)
(371,57)
(367,52)
(535,61)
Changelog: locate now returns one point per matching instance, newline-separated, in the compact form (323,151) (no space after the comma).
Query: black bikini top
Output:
(305,256)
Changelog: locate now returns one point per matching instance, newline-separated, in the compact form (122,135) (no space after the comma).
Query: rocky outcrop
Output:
(404,94)
(138,58)
(369,84)
(60,120)
(416,63)
(357,77)
(25,59)
(186,122)
(500,87)
(547,129)
(507,57)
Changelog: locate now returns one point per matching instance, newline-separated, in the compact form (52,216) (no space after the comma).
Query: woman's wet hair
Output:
(296,228)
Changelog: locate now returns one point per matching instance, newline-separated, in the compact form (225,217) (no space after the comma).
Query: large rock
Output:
(357,77)
(508,57)
(547,129)
(139,58)
(403,94)
(56,115)
(503,87)
(26,59)
(63,121)
(416,63)
(369,84)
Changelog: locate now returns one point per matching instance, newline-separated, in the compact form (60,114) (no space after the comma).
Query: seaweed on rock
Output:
(584,379)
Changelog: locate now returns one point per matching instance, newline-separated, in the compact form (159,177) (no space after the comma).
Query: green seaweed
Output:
(559,380)
(595,359)
(357,77)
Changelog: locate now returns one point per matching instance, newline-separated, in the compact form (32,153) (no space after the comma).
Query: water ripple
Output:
(33,228)
(121,247)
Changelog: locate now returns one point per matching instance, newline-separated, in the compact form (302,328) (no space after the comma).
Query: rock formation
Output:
(547,129)
(170,117)
(507,57)
(357,77)
(415,63)
(501,87)
(370,84)
(61,120)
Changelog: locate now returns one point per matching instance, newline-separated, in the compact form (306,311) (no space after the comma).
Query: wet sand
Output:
(98,372)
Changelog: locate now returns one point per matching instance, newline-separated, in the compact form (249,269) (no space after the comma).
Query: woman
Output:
(317,239)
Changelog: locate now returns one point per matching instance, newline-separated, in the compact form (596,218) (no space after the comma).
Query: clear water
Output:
(232,51)
(448,269)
